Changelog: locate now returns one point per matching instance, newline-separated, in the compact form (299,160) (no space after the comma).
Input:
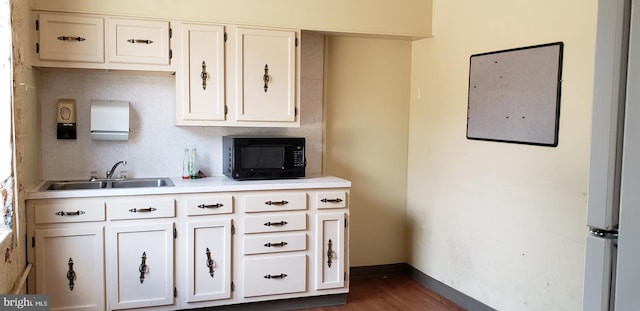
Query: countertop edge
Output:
(204,185)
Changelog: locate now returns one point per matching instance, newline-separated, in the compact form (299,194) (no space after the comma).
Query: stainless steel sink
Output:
(142,183)
(74,185)
(107,184)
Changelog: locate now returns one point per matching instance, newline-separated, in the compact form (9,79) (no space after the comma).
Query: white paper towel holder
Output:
(110,120)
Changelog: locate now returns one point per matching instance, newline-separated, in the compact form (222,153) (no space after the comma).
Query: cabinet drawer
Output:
(141,208)
(71,38)
(275,243)
(284,201)
(138,41)
(333,199)
(275,275)
(208,204)
(69,211)
(275,223)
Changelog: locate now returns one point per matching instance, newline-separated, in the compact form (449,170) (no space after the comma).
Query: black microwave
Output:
(263,157)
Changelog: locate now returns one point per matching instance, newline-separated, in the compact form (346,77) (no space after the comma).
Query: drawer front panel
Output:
(275,243)
(74,211)
(208,204)
(71,38)
(275,275)
(275,223)
(142,208)
(283,201)
(138,41)
(333,199)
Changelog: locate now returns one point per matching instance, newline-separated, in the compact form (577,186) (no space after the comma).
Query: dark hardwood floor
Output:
(397,292)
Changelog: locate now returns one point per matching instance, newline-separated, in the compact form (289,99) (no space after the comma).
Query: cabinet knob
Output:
(143,210)
(65,38)
(283,202)
(330,253)
(280,244)
(204,75)
(279,223)
(217,205)
(266,78)
(277,276)
(210,262)
(71,275)
(76,213)
(336,200)
(143,267)
(145,41)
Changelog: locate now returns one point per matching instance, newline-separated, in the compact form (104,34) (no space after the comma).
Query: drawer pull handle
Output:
(281,244)
(279,223)
(143,267)
(76,213)
(210,262)
(134,41)
(277,276)
(65,38)
(330,254)
(143,210)
(71,275)
(336,200)
(217,205)
(283,202)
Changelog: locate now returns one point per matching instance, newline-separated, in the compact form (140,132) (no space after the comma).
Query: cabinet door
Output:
(70,267)
(209,260)
(141,265)
(138,41)
(70,38)
(201,79)
(266,75)
(331,250)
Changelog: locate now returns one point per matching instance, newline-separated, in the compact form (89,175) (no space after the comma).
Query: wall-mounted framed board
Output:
(514,95)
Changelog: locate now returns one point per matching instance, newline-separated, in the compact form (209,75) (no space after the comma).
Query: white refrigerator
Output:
(612,263)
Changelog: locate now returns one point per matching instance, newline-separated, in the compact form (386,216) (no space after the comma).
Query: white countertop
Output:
(209,184)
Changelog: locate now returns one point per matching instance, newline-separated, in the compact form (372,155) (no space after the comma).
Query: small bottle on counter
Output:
(185,164)
(193,168)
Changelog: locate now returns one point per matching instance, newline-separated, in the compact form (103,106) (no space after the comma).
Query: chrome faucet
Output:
(113,169)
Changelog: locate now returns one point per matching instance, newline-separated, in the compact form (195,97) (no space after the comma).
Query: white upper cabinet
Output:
(138,41)
(226,75)
(266,81)
(70,38)
(200,83)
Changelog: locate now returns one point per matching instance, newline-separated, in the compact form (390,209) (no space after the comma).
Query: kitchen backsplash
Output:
(155,146)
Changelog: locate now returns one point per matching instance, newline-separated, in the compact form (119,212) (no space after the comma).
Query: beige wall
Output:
(503,223)
(366,131)
(411,18)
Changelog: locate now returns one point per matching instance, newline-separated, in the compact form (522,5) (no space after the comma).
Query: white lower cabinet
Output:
(208,268)
(330,258)
(141,265)
(191,250)
(70,268)
(67,249)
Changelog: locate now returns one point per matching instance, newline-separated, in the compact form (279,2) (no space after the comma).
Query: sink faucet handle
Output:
(113,169)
